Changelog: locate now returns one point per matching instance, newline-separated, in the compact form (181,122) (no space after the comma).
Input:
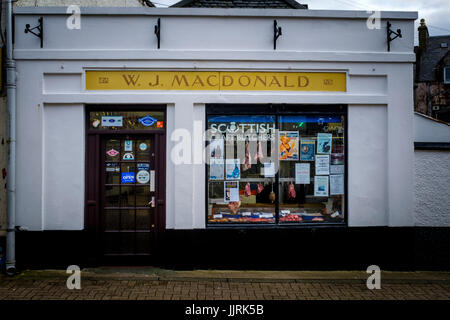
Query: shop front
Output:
(214,149)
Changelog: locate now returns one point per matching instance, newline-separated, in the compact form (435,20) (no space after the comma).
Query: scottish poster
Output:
(233,169)
(324,143)
(288,142)
(307,149)
(321,186)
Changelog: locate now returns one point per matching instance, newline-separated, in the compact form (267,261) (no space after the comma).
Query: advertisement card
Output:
(307,149)
(233,169)
(321,186)
(322,164)
(337,169)
(302,173)
(337,184)
(216,149)
(216,169)
(231,192)
(269,169)
(324,143)
(288,142)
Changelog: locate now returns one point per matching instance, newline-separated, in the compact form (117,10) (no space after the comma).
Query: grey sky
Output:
(435,12)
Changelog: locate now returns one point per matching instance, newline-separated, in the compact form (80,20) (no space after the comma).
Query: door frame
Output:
(93,185)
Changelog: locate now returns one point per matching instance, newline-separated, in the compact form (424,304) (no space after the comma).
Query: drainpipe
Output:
(11,178)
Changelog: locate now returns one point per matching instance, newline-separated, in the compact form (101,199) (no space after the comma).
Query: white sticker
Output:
(143,176)
(128,156)
(112,121)
(128,146)
(143,146)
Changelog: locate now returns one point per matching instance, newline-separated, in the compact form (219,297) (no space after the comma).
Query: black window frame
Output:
(278,110)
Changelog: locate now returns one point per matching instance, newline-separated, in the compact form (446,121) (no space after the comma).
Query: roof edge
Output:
(293,3)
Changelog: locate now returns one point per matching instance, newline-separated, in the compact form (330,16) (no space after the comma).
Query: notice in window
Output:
(233,169)
(321,186)
(322,164)
(231,191)
(216,169)
(288,142)
(337,184)
(307,150)
(302,173)
(324,143)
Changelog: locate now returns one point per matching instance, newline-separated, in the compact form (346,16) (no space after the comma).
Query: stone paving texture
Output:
(212,285)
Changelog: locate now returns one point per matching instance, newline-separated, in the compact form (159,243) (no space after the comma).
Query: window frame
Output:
(278,110)
(446,75)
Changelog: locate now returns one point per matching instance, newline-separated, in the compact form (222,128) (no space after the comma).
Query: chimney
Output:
(423,35)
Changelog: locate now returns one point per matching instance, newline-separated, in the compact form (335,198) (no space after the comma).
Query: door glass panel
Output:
(112,219)
(127,219)
(142,150)
(142,219)
(142,196)
(142,242)
(127,196)
(112,196)
(112,172)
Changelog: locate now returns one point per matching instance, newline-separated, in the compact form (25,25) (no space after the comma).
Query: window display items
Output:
(288,142)
(324,143)
(231,191)
(307,149)
(302,173)
(216,169)
(232,167)
(321,186)
(216,148)
(248,158)
(291,191)
(322,164)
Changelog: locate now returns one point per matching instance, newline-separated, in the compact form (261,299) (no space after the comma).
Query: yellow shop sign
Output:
(215,80)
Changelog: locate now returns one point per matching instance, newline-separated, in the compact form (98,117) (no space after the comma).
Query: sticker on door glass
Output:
(143,176)
(160,124)
(112,167)
(143,166)
(112,121)
(143,146)
(112,153)
(127,177)
(147,121)
(95,123)
(128,156)
(128,145)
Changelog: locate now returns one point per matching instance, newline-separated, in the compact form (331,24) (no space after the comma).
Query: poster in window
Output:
(337,169)
(324,143)
(216,169)
(321,186)
(233,169)
(322,164)
(302,173)
(337,184)
(216,149)
(231,191)
(288,142)
(307,149)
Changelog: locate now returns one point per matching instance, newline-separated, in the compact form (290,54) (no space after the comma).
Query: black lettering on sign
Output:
(328,82)
(103,80)
(131,79)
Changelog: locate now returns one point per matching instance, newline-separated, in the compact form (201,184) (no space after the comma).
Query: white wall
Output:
(64,164)
(379,87)
(431,188)
(427,129)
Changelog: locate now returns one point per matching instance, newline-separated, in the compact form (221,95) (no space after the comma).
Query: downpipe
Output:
(11,173)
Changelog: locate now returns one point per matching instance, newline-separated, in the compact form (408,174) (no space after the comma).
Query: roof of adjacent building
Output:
(431,57)
(261,4)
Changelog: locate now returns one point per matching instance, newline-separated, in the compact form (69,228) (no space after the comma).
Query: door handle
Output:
(152,202)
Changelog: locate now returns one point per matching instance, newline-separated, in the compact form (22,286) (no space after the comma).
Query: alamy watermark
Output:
(374,280)
(74,280)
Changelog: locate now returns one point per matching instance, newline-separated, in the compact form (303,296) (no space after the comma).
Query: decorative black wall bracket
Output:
(40,29)
(390,32)
(276,34)
(158,32)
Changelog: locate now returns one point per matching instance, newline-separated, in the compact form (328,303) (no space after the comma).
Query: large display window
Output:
(276,165)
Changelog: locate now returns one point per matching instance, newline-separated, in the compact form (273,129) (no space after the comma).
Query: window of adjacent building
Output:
(276,167)
(447,75)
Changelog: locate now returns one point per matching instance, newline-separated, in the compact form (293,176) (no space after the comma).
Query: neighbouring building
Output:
(432,75)
(265,137)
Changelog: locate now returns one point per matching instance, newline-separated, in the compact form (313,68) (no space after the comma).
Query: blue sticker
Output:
(143,166)
(127,177)
(147,121)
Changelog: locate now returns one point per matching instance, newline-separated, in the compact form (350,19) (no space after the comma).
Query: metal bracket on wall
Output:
(158,32)
(39,27)
(276,34)
(390,32)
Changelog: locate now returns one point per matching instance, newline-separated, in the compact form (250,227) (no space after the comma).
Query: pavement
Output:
(147,283)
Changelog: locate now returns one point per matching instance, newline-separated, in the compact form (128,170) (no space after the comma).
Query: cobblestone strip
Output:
(51,289)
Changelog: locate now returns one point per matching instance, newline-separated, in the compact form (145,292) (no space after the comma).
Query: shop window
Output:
(276,168)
